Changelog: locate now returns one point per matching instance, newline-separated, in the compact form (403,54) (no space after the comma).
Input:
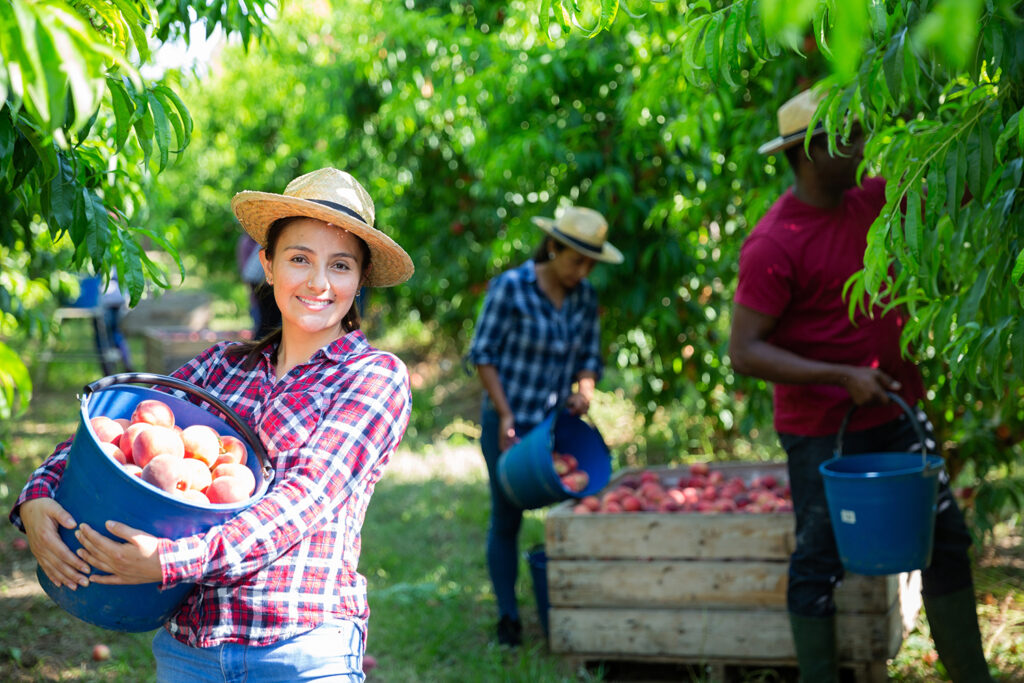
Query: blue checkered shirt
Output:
(537,349)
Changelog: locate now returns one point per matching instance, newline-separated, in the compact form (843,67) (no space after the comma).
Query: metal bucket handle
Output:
(910,414)
(174,383)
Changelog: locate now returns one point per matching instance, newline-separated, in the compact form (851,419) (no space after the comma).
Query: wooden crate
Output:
(703,588)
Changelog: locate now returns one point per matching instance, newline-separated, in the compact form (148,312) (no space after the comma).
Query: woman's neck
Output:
(550,285)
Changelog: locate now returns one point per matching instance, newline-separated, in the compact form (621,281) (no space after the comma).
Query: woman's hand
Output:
(42,517)
(136,561)
(507,432)
(577,404)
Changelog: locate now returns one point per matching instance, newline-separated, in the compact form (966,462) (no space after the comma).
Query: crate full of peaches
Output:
(194,463)
(696,489)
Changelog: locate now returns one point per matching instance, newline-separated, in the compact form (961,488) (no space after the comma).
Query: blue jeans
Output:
(506,520)
(815,567)
(332,652)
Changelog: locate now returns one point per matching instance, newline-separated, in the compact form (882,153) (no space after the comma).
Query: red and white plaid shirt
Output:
(287,563)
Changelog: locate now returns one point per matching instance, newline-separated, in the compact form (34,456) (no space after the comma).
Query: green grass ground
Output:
(423,555)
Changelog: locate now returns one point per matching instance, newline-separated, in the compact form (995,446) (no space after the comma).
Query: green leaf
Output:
(144,131)
(162,129)
(15,383)
(97,233)
(969,307)
(60,198)
(1018,270)
(135,21)
(892,67)
(912,227)
(124,110)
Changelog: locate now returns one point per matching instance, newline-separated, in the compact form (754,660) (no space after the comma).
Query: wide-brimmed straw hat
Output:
(334,197)
(794,118)
(584,230)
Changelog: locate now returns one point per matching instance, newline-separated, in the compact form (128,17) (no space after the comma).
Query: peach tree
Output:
(81,132)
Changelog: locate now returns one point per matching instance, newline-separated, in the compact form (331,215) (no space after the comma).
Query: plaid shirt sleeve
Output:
(43,482)
(358,427)
(494,315)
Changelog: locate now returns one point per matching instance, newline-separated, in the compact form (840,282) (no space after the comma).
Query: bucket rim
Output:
(928,465)
(263,482)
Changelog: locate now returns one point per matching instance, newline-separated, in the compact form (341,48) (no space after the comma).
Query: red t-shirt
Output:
(793,267)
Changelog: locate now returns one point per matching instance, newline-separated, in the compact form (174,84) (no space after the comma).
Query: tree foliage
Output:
(81,133)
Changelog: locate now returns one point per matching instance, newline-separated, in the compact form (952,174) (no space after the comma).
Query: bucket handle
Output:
(906,409)
(174,383)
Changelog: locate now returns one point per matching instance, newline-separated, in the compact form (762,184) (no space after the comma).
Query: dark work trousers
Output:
(814,567)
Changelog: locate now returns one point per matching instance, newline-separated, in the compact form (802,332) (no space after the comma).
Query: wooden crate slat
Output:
(682,583)
(731,635)
(670,536)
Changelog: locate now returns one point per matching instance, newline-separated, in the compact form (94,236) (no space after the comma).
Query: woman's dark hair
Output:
(548,246)
(253,349)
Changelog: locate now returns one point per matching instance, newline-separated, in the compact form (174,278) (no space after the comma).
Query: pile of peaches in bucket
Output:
(194,463)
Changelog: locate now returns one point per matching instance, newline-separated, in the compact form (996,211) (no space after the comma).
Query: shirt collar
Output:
(341,349)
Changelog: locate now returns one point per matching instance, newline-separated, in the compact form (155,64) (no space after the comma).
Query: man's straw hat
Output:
(584,230)
(334,197)
(794,117)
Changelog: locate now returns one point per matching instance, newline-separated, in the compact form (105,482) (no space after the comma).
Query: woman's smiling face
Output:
(316,269)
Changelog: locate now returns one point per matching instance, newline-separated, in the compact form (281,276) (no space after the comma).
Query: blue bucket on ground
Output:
(882,505)
(526,471)
(537,560)
(95,488)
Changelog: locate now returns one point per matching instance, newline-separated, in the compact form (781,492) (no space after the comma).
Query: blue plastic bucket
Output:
(526,471)
(537,560)
(882,506)
(88,292)
(95,488)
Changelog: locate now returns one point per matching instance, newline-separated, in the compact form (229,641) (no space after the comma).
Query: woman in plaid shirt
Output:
(537,335)
(278,594)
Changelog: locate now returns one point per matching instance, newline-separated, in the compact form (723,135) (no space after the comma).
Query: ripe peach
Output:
(197,473)
(114,452)
(591,502)
(202,443)
(631,504)
(232,450)
(166,472)
(241,472)
(132,469)
(107,431)
(699,468)
(156,441)
(560,464)
(612,507)
(100,652)
(581,509)
(193,496)
(571,461)
(123,421)
(228,489)
(127,441)
(154,412)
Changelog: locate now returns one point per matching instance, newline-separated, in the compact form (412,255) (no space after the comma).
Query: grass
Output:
(423,555)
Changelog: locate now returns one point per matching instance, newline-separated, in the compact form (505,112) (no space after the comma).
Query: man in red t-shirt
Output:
(792,327)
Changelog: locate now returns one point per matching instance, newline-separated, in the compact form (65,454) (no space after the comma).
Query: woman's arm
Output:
(506,420)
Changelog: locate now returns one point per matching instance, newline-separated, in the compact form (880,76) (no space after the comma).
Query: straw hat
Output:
(584,230)
(794,117)
(334,197)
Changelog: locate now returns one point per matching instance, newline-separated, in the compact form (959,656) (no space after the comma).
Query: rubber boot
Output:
(953,620)
(815,640)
